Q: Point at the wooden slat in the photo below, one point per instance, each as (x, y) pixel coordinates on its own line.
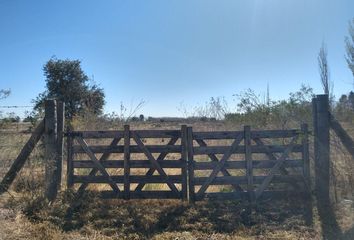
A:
(158, 133)
(216, 161)
(97, 134)
(120, 134)
(133, 149)
(308, 215)
(144, 195)
(153, 161)
(160, 160)
(60, 139)
(275, 169)
(249, 163)
(126, 162)
(257, 164)
(265, 195)
(21, 158)
(132, 179)
(271, 156)
(244, 179)
(95, 170)
(97, 164)
(191, 188)
(221, 163)
(254, 134)
(70, 163)
(241, 149)
(184, 155)
(133, 164)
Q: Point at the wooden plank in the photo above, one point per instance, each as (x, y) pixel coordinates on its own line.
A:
(275, 169)
(144, 195)
(254, 134)
(153, 161)
(97, 164)
(95, 170)
(275, 133)
(216, 135)
(60, 140)
(184, 155)
(271, 156)
(342, 134)
(244, 180)
(97, 134)
(133, 164)
(132, 178)
(191, 187)
(249, 164)
(50, 142)
(22, 157)
(257, 164)
(126, 161)
(133, 149)
(70, 163)
(160, 160)
(224, 158)
(216, 161)
(306, 155)
(120, 134)
(265, 195)
(241, 149)
(159, 133)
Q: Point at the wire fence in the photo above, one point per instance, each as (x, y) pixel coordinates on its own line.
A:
(13, 137)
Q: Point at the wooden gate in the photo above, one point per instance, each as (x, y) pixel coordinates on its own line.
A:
(248, 164)
(131, 162)
(221, 164)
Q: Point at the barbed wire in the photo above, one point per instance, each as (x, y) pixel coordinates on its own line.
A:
(16, 106)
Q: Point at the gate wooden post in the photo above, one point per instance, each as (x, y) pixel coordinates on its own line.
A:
(322, 146)
(184, 155)
(50, 138)
(191, 187)
(321, 115)
(53, 137)
(60, 140)
(306, 173)
(126, 162)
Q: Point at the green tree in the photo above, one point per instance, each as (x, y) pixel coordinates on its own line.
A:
(66, 81)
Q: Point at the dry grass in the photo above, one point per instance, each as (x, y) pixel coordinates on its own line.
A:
(24, 214)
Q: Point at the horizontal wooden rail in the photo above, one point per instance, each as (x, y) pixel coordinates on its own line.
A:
(133, 149)
(243, 179)
(241, 149)
(133, 164)
(132, 179)
(120, 134)
(254, 134)
(257, 164)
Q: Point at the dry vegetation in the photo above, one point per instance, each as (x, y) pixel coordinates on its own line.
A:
(25, 214)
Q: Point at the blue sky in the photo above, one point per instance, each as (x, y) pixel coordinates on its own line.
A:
(168, 52)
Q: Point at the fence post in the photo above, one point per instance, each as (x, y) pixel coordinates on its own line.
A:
(249, 167)
(190, 165)
(50, 138)
(322, 159)
(126, 162)
(184, 160)
(306, 173)
(60, 140)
